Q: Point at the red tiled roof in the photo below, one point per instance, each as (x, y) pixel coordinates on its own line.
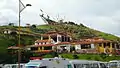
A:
(85, 42)
(43, 41)
(33, 58)
(13, 47)
(89, 42)
(49, 34)
(101, 41)
(43, 51)
(63, 43)
(42, 45)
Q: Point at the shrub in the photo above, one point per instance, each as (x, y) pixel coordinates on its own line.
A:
(75, 57)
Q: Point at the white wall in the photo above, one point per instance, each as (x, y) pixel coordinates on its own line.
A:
(77, 46)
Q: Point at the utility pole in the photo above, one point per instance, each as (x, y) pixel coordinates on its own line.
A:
(21, 8)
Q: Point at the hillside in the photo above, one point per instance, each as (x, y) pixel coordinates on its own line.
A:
(30, 34)
(79, 31)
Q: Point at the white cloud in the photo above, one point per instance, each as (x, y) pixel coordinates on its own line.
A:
(99, 14)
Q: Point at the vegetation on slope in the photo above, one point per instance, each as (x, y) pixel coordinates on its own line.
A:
(101, 57)
(11, 39)
(76, 32)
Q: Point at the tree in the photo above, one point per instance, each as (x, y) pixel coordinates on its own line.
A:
(82, 25)
(72, 23)
(11, 24)
(33, 26)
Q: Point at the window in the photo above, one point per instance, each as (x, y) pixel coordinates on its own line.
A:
(7, 66)
(68, 39)
(69, 66)
(59, 38)
(113, 65)
(100, 44)
(117, 47)
(81, 66)
(31, 67)
(48, 48)
(102, 65)
(83, 46)
(21, 66)
(43, 67)
(14, 66)
(34, 48)
(94, 65)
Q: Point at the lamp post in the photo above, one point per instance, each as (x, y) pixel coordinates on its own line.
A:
(19, 45)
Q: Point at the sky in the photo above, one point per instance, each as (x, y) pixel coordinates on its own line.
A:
(102, 15)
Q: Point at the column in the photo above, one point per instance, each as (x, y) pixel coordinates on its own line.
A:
(39, 49)
(102, 48)
(97, 47)
(49, 37)
(41, 37)
(42, 48)
(111, 47)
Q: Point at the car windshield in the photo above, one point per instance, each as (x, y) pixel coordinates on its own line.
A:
(31, 67)
(102, 65)
(94, 65)
(113, 64)
(36, 67)
(81, 66)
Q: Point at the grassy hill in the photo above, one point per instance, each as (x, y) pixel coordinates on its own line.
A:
(79, 31)
(30, 34)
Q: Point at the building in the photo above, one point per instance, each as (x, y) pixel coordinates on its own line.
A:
(51, 41)
(62, 42)
(94, 45)
(42, 46)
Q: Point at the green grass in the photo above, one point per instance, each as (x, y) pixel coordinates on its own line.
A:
(108, 36)
(78, 31)
(91, 57)
(44, 27)
(86, 57)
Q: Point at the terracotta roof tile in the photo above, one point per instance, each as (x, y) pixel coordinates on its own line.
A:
(43, 41)
(42, 45)
(43, 51)
(90, 41)
(63, 43)
(13, 47)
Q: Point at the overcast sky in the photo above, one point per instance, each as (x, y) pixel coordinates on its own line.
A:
(103, 15)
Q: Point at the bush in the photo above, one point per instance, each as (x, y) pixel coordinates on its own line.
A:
(54, 54)
(48, 56)
(88, 58)
(75, 57)
(103, 55)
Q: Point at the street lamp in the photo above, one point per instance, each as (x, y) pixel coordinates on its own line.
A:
(21, 8)
(28, 5)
